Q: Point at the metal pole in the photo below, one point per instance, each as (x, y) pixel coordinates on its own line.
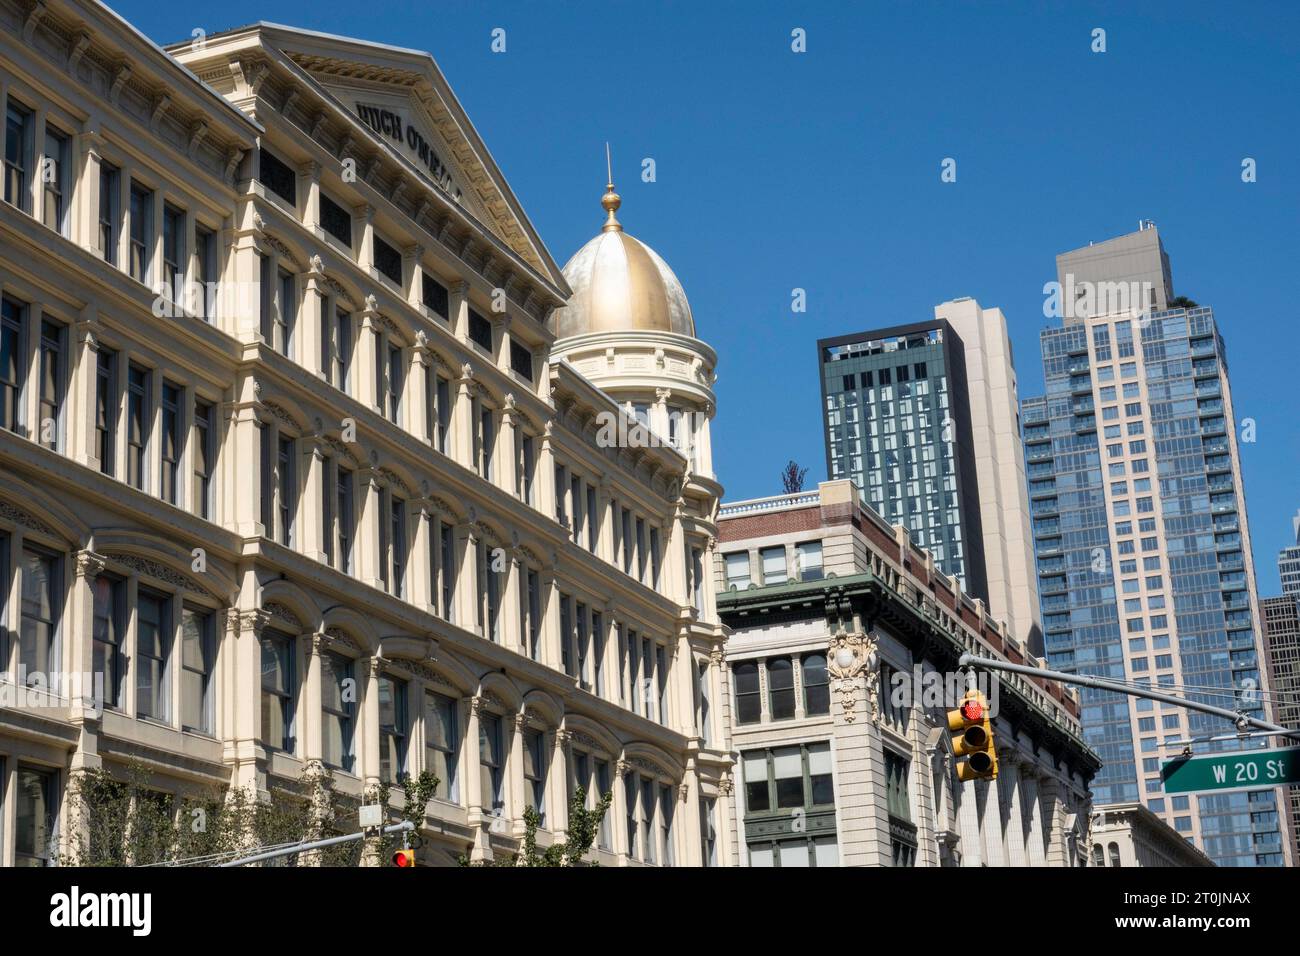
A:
(1240, 719)
(405, 825)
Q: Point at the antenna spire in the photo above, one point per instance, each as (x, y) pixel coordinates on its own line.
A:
(611, 200)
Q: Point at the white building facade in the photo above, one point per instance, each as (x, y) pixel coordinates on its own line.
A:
(289, 460)
(841, 665)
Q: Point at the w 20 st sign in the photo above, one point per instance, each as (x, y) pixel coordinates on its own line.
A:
(1232, 771)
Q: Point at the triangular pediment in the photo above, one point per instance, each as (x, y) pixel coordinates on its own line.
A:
(403, 99)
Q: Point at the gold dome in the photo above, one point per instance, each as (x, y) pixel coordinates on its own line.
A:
(620, 284)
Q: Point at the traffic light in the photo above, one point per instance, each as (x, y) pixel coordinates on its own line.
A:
(972, 738)
(404, 858)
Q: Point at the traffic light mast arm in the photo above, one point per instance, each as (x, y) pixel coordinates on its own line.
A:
(1101, 683)
(317, 844)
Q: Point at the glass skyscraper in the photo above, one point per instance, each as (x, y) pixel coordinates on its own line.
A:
(893, 427)
(1143, 557)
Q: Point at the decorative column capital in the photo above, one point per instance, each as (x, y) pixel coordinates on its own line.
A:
(90, 565)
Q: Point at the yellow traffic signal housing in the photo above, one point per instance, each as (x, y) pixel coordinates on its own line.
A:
(404, 858)
(972, 738)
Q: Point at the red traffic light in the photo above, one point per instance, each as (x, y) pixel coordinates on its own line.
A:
(404, 858)
(972, 708)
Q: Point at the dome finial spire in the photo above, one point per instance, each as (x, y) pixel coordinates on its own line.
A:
(611, 200)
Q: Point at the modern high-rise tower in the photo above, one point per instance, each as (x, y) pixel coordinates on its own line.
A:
(924, 419)
(1288, 563)
(1143, 550)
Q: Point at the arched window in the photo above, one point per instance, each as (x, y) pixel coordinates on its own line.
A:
(1098, 855)
(1113, 851)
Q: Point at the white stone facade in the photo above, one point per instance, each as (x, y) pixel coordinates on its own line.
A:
(812, 659)
(341, 466)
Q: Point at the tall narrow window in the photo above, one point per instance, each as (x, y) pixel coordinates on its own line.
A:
(393, 731)
(109, 214)
(666, 806)
(435, 296)
(598, 653)
(171, 441)
(575, 496)
(480, 331)
(279, 682)
(593, 521)
(198, 660)
(106, 410)
(138, 417)
(748, 698)
(397, 539)
(535, 772)
(561, 493)
(487, 441)
(527, 464)
(703, 719)
(286, 317)
(335, 220)
(53, 337)
(584, 647)
(344, 521)
(394, 383)
(338, 709)
(816, 685)
(444, 413)
(442, 744)
(205, 273)
(276, 175)
(153, 632)
(286, 491)
(628, 540)
(533, 614)
(654, 558)
(491, 765)
(780, 682)
(55, 179)
(12, 365)
(35, 815)
(173, 252)
(18, 152)
(204, 436)
(141, 232)
(265, 300)
(42, 599)
(447, 534)
(342, 350)
(661, 675)
(108, 629)
(566, 634)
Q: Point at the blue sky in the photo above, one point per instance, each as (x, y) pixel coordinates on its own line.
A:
(820, 171)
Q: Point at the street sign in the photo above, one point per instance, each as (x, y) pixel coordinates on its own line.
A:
(1232, 771)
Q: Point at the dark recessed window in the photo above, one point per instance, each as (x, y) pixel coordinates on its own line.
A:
(435, 296)
(866, 380)
(521, 360)
(388, 261)
(919, 369)
(276, 176)
(336, 220)
(848, 383)
(480, 331)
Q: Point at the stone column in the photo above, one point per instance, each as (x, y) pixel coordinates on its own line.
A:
(309, 190)
(313, 339)
(243, 469)
(83, 375)
(467, 603)
(619, 808)
(366, 732)
(551, 638)
(462, 419)
(311, 494)
(853, 665)
(557, 785)
(365, 549)
(1035, 850)
(1055, 851)
(370, 385)
(478, 820)
(310, 743)
(512, 635)
(504, 455)
(688, 820)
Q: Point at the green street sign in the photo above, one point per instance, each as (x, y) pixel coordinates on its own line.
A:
(1232, 771)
